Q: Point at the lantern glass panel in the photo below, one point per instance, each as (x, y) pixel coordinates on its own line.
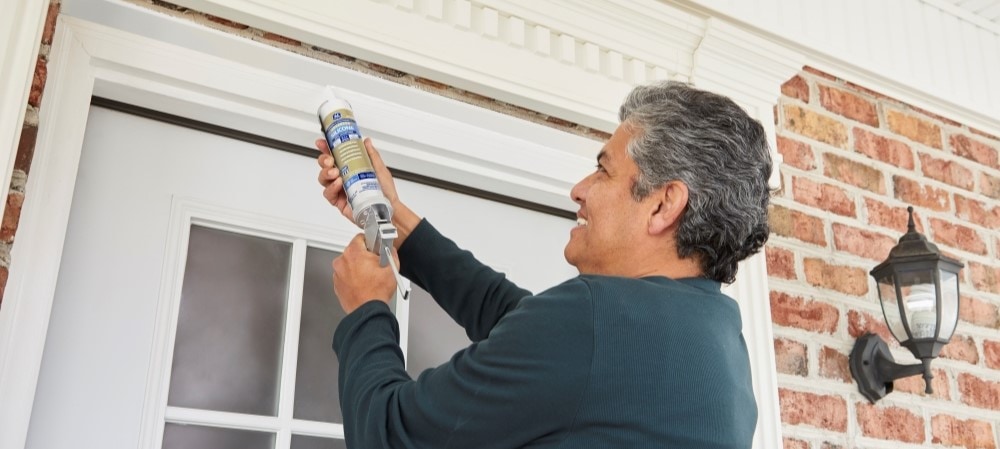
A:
(919, 302)
(890, 307)
(949, 304)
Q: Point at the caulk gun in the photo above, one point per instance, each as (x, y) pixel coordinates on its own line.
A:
(372, 210)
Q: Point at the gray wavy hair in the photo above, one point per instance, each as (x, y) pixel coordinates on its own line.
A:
(711, 145)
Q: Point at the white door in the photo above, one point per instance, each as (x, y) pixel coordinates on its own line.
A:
(194, 306)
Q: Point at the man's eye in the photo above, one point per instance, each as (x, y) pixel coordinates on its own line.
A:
(600, 168)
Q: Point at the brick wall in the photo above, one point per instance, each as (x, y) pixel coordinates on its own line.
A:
(854, 159)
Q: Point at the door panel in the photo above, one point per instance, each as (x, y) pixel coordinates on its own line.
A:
(95, 371)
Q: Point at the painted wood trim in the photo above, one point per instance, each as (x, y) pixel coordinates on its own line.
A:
(24, 317)
(20, 36)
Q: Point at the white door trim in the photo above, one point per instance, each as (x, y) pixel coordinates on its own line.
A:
(274, 96)
(20, 36)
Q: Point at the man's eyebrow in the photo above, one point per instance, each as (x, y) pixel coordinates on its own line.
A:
(602, 156)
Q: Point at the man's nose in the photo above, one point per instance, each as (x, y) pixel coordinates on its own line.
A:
(579, 191)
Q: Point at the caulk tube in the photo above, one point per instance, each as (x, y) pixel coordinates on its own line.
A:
(372, 210)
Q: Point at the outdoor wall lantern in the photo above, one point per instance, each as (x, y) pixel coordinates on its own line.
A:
(918, 290)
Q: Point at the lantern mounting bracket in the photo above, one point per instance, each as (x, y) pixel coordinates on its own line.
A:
(874, 368)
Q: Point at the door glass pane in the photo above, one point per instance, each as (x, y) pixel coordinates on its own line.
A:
(434, 336)
(316, 394)
(304, 442)
(178, 436)
(228, 348)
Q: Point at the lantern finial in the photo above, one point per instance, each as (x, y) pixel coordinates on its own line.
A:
(911, 226)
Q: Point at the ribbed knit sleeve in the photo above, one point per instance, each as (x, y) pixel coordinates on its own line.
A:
(524, 384)
(473, 294)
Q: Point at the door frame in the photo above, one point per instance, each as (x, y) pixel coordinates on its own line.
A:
(276, 99)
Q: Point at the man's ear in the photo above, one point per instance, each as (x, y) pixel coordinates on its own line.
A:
(671, 200)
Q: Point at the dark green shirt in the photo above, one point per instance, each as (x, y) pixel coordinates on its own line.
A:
(595, 362)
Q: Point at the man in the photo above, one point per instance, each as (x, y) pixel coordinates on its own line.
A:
(641, 350)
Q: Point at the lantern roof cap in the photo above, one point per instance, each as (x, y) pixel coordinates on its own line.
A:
(913, 246)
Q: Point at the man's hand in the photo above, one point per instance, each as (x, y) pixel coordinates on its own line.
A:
(333, 189)
(358, 278)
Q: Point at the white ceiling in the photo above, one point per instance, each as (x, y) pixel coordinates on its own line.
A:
(988, 10)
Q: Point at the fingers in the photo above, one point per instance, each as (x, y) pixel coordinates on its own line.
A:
(322, 146)
(381, 171)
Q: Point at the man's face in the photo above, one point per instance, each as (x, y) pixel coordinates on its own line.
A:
(610, 222)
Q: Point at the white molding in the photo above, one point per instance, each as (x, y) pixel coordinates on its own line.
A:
(21, 27)
(24, 316)
(755, 307)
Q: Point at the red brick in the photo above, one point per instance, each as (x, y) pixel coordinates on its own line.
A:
(854, 173)
(50, 23)
(822, 411)
(815, 126)
(979, 392)
(11, 215)
(974, 150)
(884, 149)
(796, 88)
(984, 278)
(971, 434)
(849, 105)
(957, 236)
(38, 82)
(989, 186)
(869, 92)
(917, 194)
(829, 445)
(780, 262)
(4, 273)
(991, 354)
(833, 365)
(789, 443)
(797, 154)
(867, 244)
(790, 357)
(892, 217)
(792, 223)
(890, 423)
(282, 39)
(820, 73)
(823, 196)
(984, 134)
(937, 117)
(949, 172)
(226, 22)
(26, 148)
(794, 311)
(977, 212)
(916, 385)
(961, 348)
(844, 279)
(860, 323)
(979, 313)
(914, 128)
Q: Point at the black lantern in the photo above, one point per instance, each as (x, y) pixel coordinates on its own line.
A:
(918, 290)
